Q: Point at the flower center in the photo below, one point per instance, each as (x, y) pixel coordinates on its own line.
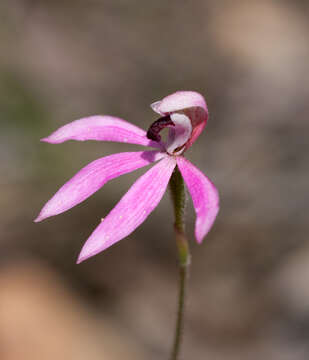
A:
(180, 130)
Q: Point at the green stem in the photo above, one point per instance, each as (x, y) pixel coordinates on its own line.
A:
(179, 201)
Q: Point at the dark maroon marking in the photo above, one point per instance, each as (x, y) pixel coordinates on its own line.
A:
(157, 126)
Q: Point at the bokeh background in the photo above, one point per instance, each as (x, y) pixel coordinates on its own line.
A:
(249, 292)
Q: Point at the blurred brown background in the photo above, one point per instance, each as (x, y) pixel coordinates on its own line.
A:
(249, 293)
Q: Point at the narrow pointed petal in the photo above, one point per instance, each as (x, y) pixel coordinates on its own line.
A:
(102, 128)
(134, 207)
(92, 177)
(191, 104)
(204, 196)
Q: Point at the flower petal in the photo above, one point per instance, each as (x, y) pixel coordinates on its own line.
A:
(179, 100)
(191, 103)
(134, 207)
(204, 196)
(103, 128)
(92, 177)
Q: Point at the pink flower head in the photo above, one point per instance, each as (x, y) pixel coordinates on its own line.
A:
(185, 114)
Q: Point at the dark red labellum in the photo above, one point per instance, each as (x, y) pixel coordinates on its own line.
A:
(157, 126)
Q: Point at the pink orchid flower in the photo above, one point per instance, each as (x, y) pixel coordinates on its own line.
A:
(185, 114)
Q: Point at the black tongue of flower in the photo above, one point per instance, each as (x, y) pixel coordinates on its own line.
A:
(157, 126)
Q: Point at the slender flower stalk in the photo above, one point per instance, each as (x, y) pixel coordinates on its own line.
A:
(185, 115)
(179, 201)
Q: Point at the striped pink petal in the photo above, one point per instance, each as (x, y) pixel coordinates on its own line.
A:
(92, 177)
(204, 196)
(102, 128)
(191, 104)
(134, 207)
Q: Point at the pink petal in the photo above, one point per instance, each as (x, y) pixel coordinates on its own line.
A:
(179, 100)
(134, 207)
(92, 177)
(103, 128)
(204, 196)
(191, 103)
